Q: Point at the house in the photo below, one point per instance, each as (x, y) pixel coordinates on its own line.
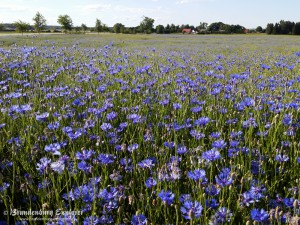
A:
(187, 31)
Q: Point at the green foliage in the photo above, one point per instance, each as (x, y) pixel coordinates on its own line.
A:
(119, 28)
(84, 27)
(259, 29)
(39, 22)
(98, 26)
(270, 27)
(296, 29)
(160, 29)
(146, 25)
(21, 26)
(1, 27)
(65, 21)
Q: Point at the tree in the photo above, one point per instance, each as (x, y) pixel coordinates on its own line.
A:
(146, 25)
(160, 29)
(1, 27)
(21, 26)
(65, 21)
(98, 26)
(269, 29)
(84, 27)
(202, 26)
(119, 28)
(259, 29)
(296, 29)
(39, 22)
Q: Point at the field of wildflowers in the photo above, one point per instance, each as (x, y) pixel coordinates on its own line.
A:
(150, 130)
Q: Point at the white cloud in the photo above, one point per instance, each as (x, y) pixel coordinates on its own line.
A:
(96, 7)
(191, 1)
(13, 8)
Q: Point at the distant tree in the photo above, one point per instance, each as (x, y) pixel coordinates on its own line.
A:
(65, 21)
(276, 29)
(39, 22)
(146, 25)
(84, 27)
(173, 28)
(286, 27)
(216, 27)
(160, 29)
(77, 29)
(1, 27)
(202, 26)
(98, 26)
(296, 29)
(119, 28)
(167, 29)
(21, 26)
(259, 29)
(270, 27)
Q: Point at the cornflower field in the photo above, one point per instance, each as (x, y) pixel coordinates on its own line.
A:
(137, 129)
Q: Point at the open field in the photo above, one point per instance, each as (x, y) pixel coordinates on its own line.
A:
(149, 129)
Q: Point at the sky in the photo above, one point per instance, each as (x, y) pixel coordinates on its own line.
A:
(248, 13)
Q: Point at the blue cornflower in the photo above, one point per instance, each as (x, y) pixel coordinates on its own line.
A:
(53, 126)
(213, 203)
(139, 220)
(212, 190)
(211, 155)
(181, 149)
(177, 106)
(169, 145)
(84, 154)
(146, 163)
(196, 109)
(106, 159)
(111, 116)
(196, 175)
(298, 160)
(150, 182)
(54, 148)
(202, 121)
(166, 196)
(219, 144)
(248, 199)
(248, 102)
(43, 164)
(289, 202)
(91, 220)
(106, 126)
(215, 135)
(197, 134)
(42, 117)
(224, 178)
(259, 215)
(281, 158)
(287, 120)
(132, 147)
(185, 197)
(58, 166)
(222, 216)
(191, 210)
(84, 166)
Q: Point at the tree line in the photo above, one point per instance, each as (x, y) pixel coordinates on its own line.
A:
(147, 26)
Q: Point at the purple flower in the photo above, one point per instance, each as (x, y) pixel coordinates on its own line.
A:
(202, 121)
(139, 220)
(85, 154)
(191, 210)
(259, 215)
(181, 149)
(213, 203)
(58, 166)
(287, 120)
(150, 182)
(222, 216)
(54, 148)
(177, 106)
(196, 175)
(219, 144)
(196, 134)
(106, 159)
(211, 155)
(281, 158)
(146, 163)
(106, 126)
(43, 164)
(224, 178)
(166, 196)
(212, 190)
(132, 147)
(42, 117)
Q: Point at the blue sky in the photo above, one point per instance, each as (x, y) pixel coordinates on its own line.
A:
(248, 13)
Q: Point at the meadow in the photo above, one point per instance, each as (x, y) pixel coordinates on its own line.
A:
(149, 129)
